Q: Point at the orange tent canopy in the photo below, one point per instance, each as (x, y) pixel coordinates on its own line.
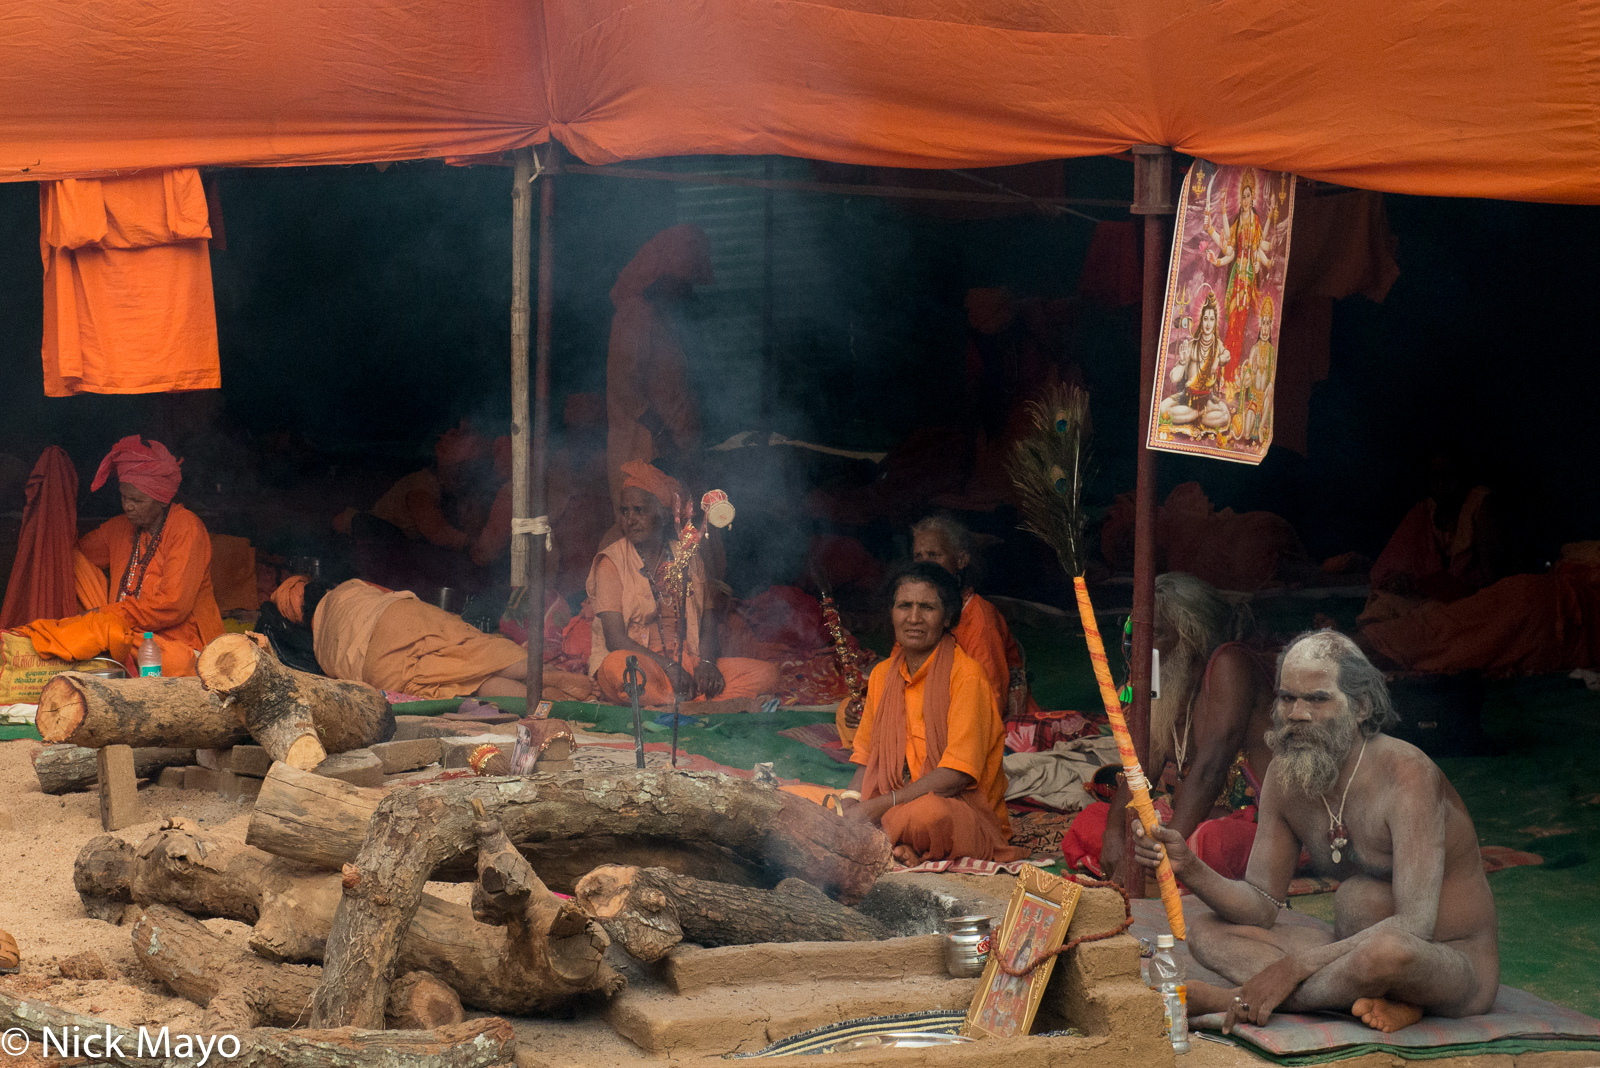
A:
(1451, 97)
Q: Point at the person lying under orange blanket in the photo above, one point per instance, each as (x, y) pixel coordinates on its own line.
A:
(391, 640)
(148, 569)
(929, 709)
(637, 617)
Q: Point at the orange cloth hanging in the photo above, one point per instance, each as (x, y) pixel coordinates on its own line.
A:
(127, 285)
(41, 576)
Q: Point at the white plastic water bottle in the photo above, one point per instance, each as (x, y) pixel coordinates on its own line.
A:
(149, 656)
(1166, 975)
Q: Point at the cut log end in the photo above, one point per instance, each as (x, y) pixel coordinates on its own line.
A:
(61, 710)
(305, 753)
(419, 1001)
(227, 663)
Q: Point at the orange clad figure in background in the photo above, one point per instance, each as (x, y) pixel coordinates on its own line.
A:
(148, 569)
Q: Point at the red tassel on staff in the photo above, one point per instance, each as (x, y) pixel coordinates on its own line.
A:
(1138, 786)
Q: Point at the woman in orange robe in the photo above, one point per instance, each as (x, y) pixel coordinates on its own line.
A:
(982, 632)
(148, 569)
(929, 711)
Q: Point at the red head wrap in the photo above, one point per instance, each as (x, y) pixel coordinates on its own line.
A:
(663, 487)
(150, 468)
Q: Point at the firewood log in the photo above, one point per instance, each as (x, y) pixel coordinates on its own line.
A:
(63, 769)
(481, 1043)
(297, 717)
(491, 968)
(90, 711)
(416, 830)
(649, 910)
(420, 1002)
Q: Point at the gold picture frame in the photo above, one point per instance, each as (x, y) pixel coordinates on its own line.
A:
(1035, 925)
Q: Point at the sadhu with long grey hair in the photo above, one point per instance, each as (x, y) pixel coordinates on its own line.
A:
(1415, 929)
(1208, 726)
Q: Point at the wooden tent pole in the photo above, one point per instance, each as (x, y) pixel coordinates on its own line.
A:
(538, 558)
(1152, 199)
(521, 250)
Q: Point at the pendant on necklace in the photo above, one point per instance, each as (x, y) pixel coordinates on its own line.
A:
(1338, 838)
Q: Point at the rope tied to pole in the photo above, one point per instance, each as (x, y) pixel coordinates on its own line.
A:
(535, 526)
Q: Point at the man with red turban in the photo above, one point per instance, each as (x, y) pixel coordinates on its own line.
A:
(148, 569)
(637, 616)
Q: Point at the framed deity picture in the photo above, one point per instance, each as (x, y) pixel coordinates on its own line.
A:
(1035, 925)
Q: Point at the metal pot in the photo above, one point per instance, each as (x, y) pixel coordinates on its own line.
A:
(966, 945)
(106, 668)
(449, 598)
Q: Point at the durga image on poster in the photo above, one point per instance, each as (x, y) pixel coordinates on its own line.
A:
(1219, 353)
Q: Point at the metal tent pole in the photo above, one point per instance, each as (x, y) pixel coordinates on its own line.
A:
(1152, 199)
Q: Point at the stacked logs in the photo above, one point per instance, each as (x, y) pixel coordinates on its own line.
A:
(243, 693)
(335, 873)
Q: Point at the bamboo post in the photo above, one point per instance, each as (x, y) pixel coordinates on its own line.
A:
(540, 459)
(1152, 199)
(521, 248)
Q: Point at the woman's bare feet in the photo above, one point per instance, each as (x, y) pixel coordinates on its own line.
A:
(1205, 998)
(905, 855)
(1384, 1015)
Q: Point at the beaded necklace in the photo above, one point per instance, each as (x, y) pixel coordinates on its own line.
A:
(139, 560)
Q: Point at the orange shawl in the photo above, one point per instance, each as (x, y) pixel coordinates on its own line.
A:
(886, 765)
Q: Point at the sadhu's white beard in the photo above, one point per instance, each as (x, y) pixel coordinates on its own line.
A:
(1308, 756)
(1169, 713)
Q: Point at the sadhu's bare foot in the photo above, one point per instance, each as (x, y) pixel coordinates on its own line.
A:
(1384, 1015)
(905, 855)
(1205, 999)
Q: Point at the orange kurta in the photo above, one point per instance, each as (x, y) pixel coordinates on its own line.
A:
(976, 738)
(176, 602)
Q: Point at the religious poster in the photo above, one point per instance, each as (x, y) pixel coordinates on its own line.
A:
(1219, 330)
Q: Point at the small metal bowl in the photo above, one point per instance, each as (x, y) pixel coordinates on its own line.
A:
(105, 668)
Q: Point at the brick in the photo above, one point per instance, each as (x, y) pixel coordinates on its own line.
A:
(407, 755)
(250, 760)
(408, 727)
(455, 751)
(119, 788)
(359, 767)
(170, 778)
(198, 778)
(238, 787)
(215, 759)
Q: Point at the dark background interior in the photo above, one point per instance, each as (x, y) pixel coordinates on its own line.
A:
(360, 313)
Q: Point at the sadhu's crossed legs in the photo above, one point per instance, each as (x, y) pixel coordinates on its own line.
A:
(1388, 980)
